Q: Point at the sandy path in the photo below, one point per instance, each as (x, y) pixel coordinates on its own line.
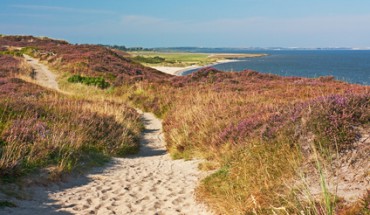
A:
(43, 75)
(146, 183)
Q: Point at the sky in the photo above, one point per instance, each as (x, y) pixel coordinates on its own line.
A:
(200, 23)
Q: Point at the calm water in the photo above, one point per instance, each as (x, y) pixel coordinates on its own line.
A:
(345, 65)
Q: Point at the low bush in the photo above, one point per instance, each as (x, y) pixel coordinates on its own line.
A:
(150, 60)
(334, 119)
(94, 81)
(18, 52)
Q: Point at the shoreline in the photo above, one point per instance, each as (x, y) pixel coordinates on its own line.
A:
(178, 71)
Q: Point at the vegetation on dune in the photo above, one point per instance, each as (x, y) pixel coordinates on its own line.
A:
(95, 81)
(17, 52)
(149, 60)
(43, 130)
(265, 132)
(256, 127)
(258, 172)
(88, 60)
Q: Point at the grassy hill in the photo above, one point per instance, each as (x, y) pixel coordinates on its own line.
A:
(42, 130)
(278, 145)
(91, 60)
(267, 135)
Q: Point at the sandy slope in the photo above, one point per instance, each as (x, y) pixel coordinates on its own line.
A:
(147, 183)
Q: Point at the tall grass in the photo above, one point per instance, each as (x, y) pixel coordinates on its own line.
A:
(64, 133)
(254, 126)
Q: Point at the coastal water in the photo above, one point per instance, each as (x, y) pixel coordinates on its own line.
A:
(346, 65)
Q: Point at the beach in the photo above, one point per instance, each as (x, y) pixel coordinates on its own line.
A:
(217, 58)
(178, 71)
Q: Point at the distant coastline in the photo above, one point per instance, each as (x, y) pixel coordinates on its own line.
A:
(351, 66)
(225, 58)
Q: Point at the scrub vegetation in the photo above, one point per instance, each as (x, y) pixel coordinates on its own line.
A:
(42, 130)
(95, 81)
(264, 135)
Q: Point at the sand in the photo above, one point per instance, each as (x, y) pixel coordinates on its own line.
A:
(173, 70)
(43, 75)
(178, 71)
(147, 183)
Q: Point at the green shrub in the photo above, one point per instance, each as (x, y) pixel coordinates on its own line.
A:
(19, 53)
(95, 81)
(151, 60)
(15, 53)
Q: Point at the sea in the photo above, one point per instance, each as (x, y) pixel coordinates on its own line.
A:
(352, 66)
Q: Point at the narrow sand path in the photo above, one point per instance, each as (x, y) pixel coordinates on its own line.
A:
(43, 75)
(147, 183)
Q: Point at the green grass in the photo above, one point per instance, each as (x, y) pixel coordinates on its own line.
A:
(94, 81)
(18, 53)
(149, 60)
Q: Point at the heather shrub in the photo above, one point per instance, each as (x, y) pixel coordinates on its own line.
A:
(62, 134)
(89, 60)
(256, 174)
(9, 66)
(334, 120)
(252, 125)
(42, 130)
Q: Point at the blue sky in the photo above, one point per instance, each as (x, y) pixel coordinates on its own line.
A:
(204, 23)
